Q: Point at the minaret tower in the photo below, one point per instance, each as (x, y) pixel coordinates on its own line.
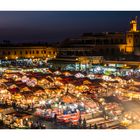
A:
(133, 38)
(133, 25)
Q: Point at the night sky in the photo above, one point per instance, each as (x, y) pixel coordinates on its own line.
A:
(55, 26)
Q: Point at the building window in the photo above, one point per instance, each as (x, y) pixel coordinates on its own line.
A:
(83, 41)
(26, 52)
(107, 50)
(3, 53)
(33, 52)
(136, 36)
(112, 51)
(116, 41)
(121, 40)
(30, 52)
(123, 50)
(93, 41)
(9, 53)
(44, 52)
(15, 52)
(129, 35)
(37, 52)
(97, 41)
(88, 41)
(101, 51)
(21, 52)
(80, 53)
(112, 41)
(68, 53)
(106, 41)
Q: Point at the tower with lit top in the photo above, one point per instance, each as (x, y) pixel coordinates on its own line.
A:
(133, 38)
(133, 25)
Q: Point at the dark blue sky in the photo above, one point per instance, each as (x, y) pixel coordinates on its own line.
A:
(56, 26)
